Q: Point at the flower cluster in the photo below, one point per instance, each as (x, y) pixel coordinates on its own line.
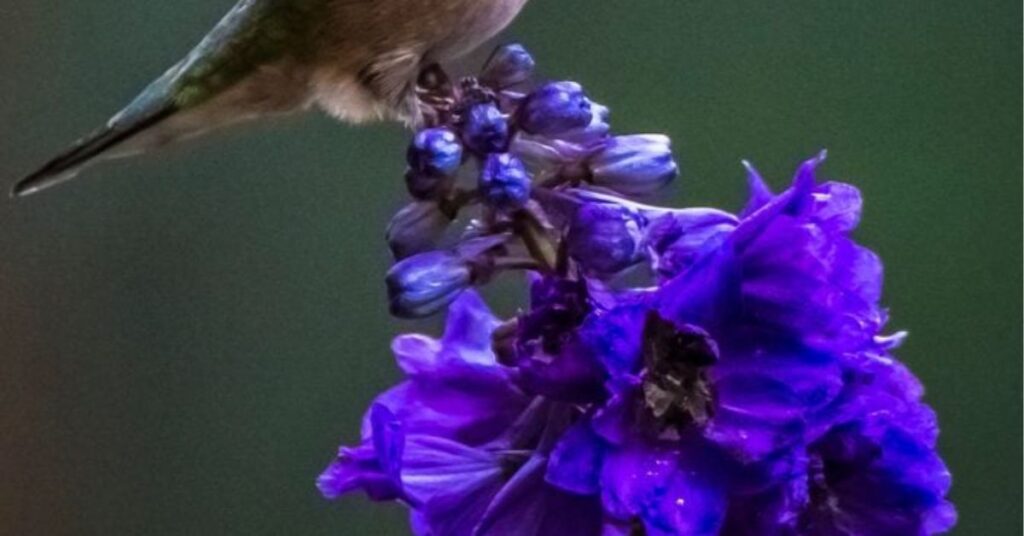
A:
(676, 371)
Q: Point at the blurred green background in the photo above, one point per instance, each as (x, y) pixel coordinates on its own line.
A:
(185, 338)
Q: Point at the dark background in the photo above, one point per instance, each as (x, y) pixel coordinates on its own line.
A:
(185, 338)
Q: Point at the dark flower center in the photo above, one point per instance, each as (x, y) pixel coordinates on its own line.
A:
(676, 388)
(558, 307)
(836, 463)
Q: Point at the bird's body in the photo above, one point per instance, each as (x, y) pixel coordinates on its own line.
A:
(356, 59)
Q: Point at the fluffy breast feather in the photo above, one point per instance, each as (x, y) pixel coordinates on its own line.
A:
(373, 50)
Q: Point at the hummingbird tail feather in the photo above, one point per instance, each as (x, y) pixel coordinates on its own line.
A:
(66, 165)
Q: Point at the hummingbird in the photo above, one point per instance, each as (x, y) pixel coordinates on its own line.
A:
(358, 60)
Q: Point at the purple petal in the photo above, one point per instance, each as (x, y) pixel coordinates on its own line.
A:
(760, 193)
(575, 464)
(356, 469)
(388, 440)
(528, 505)
(614, 338)
(837, 206)
(673, 489)
(467, 412)
(571, 376)
(435, 467)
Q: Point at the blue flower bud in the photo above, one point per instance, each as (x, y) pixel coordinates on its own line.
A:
(634, 165)
(485, 129)
(510, 65)
(596, 131)
(555, 108)
(537, 155)
(417, 228)
(676, 240)
(504, 182)
(426, 283)
(435, 151)
(547, 156)
(604, 239)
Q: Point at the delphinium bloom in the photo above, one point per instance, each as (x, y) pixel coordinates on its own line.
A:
(675, 371)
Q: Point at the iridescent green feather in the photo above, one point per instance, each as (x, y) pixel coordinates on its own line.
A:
(253, 33)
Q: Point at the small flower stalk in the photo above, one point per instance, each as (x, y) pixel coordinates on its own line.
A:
(674, 372)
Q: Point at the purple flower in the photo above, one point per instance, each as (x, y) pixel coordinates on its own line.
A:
(680, 380)
(455, 388)
(877, 476)
(676, 371)
(370, 466)
(876, 470)
(783, 297)
(760, 380)
(550, 356)
(456, 399)
(459, 443)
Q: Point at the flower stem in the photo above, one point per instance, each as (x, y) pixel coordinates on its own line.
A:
(536, 239)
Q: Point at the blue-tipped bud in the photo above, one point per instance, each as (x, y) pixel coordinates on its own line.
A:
(504, 182)
(485, 129)
(435, 151)
(417, 228)
(555, 108)
(424, 284)
(510, 65)
(604, 238)
(596, 131)
(634, 165)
